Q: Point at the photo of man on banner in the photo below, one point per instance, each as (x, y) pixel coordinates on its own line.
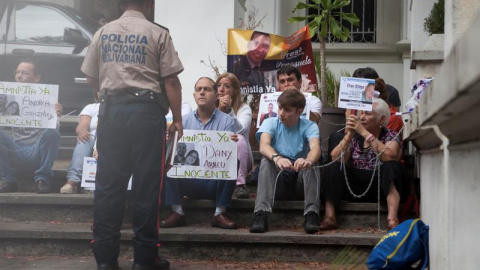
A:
(254, 57)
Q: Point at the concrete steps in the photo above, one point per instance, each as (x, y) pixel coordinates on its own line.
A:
(192, 242)
(57, 224)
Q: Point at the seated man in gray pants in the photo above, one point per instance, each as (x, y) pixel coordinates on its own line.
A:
(289, 145)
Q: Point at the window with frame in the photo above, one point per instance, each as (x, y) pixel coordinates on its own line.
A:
(365, 32)
(40, 25)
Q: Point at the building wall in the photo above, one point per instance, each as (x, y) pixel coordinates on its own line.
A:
(198, 28)
(447, 139)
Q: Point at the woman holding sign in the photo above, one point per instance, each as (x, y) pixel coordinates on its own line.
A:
(365, 140)
(86, 136)
(230, 102)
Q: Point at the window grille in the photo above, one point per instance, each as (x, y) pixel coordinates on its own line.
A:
(365, 32)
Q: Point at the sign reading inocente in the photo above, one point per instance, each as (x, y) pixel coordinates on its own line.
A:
(204, 154)
(28, 105)
(356, 93)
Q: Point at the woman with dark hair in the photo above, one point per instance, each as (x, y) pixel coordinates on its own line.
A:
(395, 122)
(192, 158)
(13, 108)
(230, 102)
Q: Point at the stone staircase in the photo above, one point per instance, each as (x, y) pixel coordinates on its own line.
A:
(57, 224)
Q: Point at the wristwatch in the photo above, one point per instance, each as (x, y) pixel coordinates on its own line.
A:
(274, 156)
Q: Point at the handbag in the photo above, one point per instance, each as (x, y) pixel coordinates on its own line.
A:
(401, 247)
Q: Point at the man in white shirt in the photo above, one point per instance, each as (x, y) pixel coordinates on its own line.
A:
(291, 76)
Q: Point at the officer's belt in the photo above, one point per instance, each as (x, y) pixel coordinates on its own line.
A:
(133, 96)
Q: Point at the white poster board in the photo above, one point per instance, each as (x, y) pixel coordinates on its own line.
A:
(89, 172)
(268, 107)
(356, 93)
(28, 105)
(204, 154)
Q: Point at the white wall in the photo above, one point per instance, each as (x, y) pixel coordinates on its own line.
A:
(196, 28)
(420, 10)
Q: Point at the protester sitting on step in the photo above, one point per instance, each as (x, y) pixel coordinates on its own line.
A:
(290, 146)
(290, 76)
(205, 117)
(230, 102)
(86, 135)
(29, 148)
(365, 138)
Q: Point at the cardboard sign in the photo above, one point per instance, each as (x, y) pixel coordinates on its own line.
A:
(28, 105)
(356, 93)
(268, 107)
(204, 154)
(254, 57)
(89, 172)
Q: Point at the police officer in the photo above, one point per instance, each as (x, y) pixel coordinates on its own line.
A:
(126, 61)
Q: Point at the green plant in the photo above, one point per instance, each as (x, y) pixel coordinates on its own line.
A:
(435, 22)
(326, 21)
(332, 83)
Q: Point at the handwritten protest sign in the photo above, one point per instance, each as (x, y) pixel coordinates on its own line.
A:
(28, 105)
(254, 57)
(89, 172)
(356, 93)
(268, 107)
(202, 154)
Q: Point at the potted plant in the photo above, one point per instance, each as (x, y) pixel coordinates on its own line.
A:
(435, 22)
(326, 22)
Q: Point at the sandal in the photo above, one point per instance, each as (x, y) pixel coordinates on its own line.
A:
(328, 224)
(392, 223)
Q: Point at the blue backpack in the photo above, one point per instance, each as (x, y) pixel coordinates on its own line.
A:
(403, 246)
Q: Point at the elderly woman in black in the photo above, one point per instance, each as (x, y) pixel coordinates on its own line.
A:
(365, 137)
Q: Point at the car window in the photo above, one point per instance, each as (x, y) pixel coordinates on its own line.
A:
(40, 24)
(3, 25)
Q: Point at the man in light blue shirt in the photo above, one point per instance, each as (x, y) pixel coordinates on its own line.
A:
(289, 145)
(205, 117)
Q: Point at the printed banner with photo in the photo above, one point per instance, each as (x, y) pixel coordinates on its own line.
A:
(268, 107)
(28, 105)
(254, 57)
(204, 154)
(356, 93)
(89, 172)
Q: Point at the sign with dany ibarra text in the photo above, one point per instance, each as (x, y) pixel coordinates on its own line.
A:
(28, 105)
(204, 154)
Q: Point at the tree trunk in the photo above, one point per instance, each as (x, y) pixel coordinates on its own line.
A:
(323, 78)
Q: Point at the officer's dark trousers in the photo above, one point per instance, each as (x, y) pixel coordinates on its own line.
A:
(130, 141)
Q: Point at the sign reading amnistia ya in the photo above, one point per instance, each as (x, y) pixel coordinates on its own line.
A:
(28, 105)
(202, 154)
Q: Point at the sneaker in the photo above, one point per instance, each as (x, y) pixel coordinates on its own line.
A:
(68, 189)
(260, 222)
(311, 222)
(241, 192)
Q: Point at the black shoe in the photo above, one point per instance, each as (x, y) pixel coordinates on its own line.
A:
(311, 222)
(43, 186)
(107, 266)
(8, 186)
(159, 265)
(260, 222)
